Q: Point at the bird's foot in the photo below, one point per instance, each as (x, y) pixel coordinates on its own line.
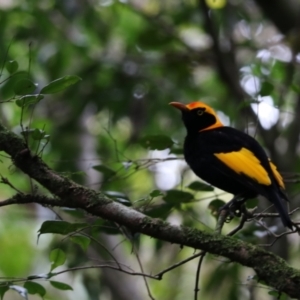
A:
(234, 208)
(296, 227)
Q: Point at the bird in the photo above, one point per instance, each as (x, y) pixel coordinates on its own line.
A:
(230, 159)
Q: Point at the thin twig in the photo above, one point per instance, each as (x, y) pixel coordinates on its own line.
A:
(198, 274)
(4, 59)
(102, 267)
(81, 232)
(273, 215)
(4, 180)
(142, 269)
(240, 226)
(159, 275)
(117, 151)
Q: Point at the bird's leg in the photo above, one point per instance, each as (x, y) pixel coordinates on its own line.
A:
(234, 206)
(297, 227)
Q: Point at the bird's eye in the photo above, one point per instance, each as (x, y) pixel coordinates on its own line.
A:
(200, 112)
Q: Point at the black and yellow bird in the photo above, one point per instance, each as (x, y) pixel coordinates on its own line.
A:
(230, 159)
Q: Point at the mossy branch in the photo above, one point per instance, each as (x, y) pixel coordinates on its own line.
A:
(270, 268)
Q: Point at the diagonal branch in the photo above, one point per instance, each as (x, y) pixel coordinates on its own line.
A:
(273, 270)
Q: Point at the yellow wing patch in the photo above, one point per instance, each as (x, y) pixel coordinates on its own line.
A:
(277, 175)
(245, 162)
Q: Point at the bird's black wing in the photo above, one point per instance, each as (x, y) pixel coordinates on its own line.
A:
(230, 160)
(234, 162)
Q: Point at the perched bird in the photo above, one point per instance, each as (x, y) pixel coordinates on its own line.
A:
(230, 159)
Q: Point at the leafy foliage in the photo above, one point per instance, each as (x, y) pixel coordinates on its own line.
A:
(108, 125)
(57, 258)
(34, 288)
(60, 227)
(60, 84)
(61, 285)
(199, 186)
(156, 142)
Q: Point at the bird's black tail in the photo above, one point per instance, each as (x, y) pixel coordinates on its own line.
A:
(280, 206)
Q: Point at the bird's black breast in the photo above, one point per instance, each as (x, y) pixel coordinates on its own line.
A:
(200, 149)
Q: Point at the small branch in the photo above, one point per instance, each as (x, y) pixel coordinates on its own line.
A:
(7, 182)
(80, 231)
(159, 275)
(50, 275)
(240, 226)
(25, 199)
(270, 268)
(198, 275)
(101, 267)
(142, 269)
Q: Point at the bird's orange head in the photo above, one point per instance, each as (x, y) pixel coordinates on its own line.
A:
(198, 116)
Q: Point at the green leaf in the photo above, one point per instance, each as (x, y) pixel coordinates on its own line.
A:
(266, 88)
(159, 211)
(295, 88)
(176, 150)
(61, 285)
(11, 66)
(104, 227)
(107, 172)
(24, 86)
(278, 295)
(28, 100)
(156, 142)
(60, 227)
(27, 132)
(283, 296)
(46, 137)
(57, 258)
(252, 203)
(60, 84)
(115, 194)
(3, 290)
(123, 201)
(256, 69)
(215, 206)
(200, 186)
(155, 193)
(76, 213)
(34, 288)
(278, 71)
(119, 197)
(82, 241)
(38, 134)
(7, 88)
(177, 197)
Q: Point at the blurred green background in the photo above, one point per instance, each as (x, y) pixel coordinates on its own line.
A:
(134, 57)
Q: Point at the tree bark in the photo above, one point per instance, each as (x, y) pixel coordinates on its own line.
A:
(270, 268)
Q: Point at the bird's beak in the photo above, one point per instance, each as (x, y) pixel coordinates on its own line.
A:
(179, 106)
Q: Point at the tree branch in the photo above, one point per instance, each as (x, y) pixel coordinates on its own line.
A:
(273, 270)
